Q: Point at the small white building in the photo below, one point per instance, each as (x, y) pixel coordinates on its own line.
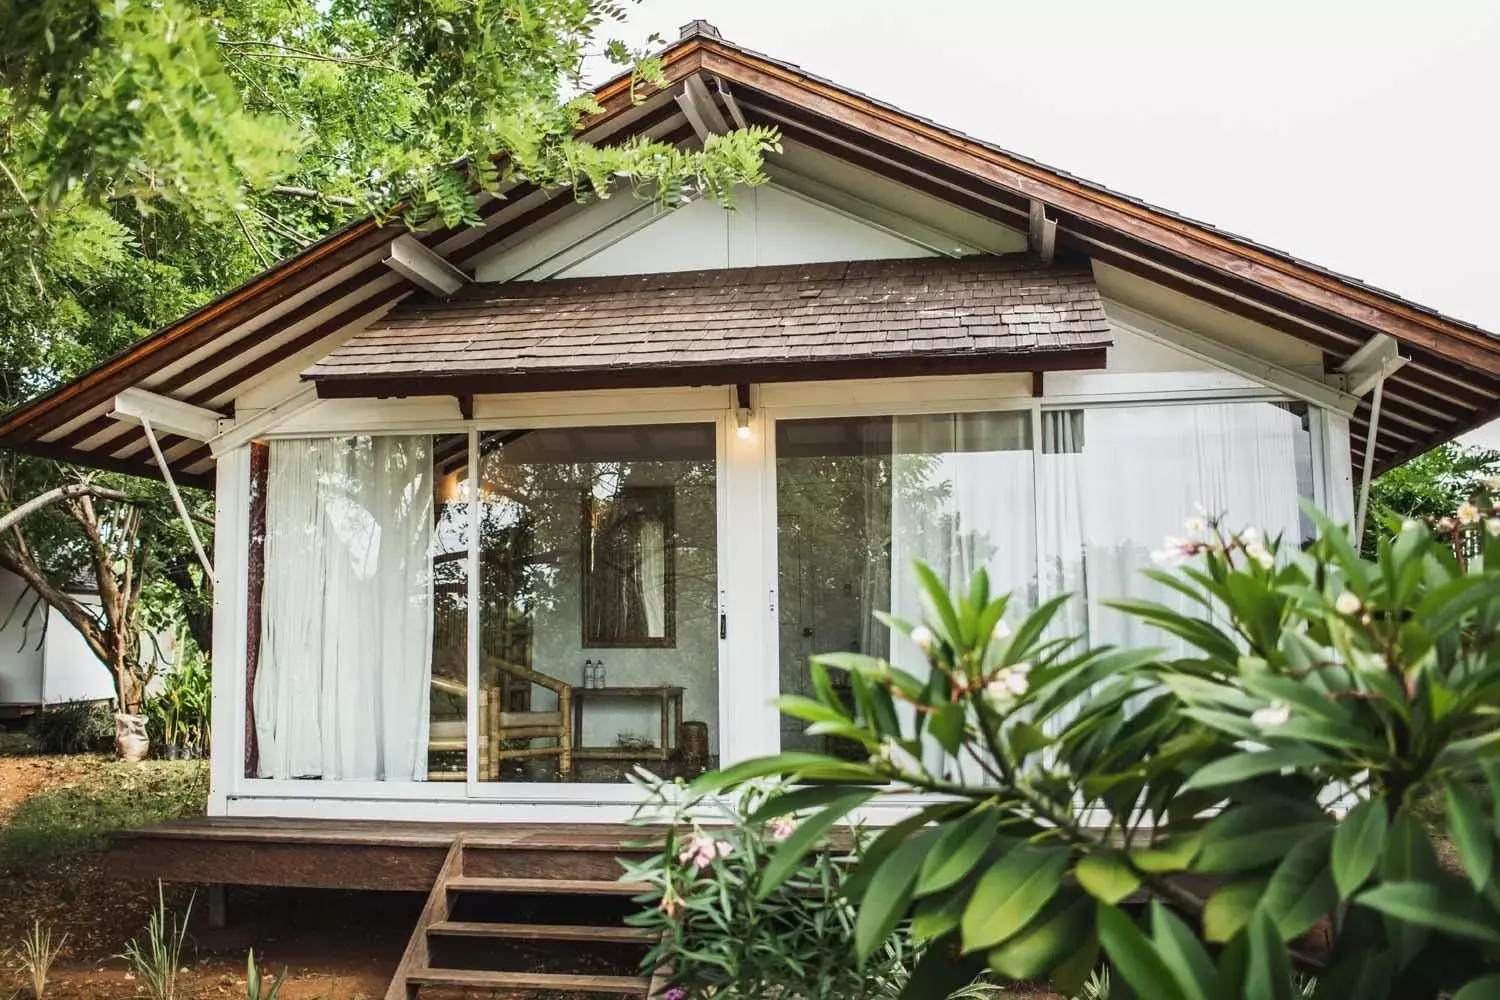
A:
(43, 659)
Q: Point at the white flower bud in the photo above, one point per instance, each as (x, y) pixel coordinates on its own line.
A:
(1347, 603)
(1273, 715)
(1468, 513)
(923, 637)
(1001, 631)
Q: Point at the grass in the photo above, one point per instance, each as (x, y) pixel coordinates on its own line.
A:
(78, 818)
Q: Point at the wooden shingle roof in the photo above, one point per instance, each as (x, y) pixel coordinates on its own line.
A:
(792, 322)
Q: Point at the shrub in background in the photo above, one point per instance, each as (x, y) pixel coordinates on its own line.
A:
(1317, 684)
(75, 727)
(179, 717)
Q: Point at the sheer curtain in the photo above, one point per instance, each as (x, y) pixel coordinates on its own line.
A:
(342, 690)
(1116, 481)
(651, 567)
(962, 499)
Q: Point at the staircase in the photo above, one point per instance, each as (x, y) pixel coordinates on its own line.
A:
(487, 927)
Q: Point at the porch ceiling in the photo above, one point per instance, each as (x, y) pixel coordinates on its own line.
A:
(786, 323)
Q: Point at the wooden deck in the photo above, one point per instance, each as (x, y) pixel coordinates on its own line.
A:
(343, 854)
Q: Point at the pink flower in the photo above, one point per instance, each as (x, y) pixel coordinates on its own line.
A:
(675, 993)
(781, 828)
(702, 851)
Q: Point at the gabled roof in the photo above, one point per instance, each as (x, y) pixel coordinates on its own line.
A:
(748, 324)
(1451, 383)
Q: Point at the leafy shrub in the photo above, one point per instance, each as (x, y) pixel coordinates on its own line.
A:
(36, 954)
(1316, 684)
(75, 727)
(179, 718)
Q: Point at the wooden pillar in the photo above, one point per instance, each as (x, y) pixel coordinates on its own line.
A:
(218, 907)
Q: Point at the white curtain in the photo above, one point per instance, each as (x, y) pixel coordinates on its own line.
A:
(962, 498)
(1116, 481)
(342, 689)
(651, 566)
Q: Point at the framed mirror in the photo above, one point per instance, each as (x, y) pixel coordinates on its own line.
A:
(629, 574)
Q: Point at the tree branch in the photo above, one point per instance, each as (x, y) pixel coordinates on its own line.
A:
(52, 496)
(292, 191)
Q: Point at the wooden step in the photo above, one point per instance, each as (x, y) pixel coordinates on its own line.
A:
(469, 979)
(542, 932)
(548, 886)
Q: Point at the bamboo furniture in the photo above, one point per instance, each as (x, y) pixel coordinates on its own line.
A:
(505, 719)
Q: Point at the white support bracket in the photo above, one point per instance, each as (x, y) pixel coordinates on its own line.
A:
(166, 414)
(1376, 358)
(699, 107)
(730, 103)
(1042, 232)
(425, 267)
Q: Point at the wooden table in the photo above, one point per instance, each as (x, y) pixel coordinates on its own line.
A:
(671, 708)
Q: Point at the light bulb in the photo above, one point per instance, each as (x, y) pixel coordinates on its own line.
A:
(742, 417)
(743, 431)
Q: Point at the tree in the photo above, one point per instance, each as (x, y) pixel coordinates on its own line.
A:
(155, 153)
(1429, 487)
(1281, 760)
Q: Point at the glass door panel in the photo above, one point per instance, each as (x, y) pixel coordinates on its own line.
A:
(598, 603)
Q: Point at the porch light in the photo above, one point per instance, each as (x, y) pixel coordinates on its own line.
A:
(742, 415)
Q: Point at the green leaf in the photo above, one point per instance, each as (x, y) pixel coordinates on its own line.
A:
(1427, 905)
(939, 973)
(1172, 855)
(1486, 988)
(1358, 842)
(792, 850)
(960, 847)
(890, 839)
(796, 800)
(1254, 764)
(1269, 974)
(1135, 957)
(787, 764)
(947, 726)
(1229, 908)
(1183, 953)
(1249, 836)
(886, 900)
(1026, 739)
(938, 915)
(1107, 876)
(1010, 893)
(1471, 833)
(1302, 891)
(935, 599)
(1059, 932)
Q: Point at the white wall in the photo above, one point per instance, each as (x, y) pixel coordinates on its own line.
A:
(20, 646)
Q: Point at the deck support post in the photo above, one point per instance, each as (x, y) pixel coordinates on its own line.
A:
(218, 907)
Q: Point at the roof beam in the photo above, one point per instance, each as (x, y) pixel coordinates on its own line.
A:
(411, 259)
(699, 107)
(167, 414)
(1229, 358)
(1376, 358)
(1042, 232)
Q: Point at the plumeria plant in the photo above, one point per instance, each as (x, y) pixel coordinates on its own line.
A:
(1214, 820)
(744, 908)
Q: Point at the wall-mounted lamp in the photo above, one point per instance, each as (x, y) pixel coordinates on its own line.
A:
(742, 414)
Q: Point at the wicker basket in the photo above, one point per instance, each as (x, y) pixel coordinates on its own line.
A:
(694, 741)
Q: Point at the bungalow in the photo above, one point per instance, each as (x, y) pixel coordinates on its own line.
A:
(506, 511)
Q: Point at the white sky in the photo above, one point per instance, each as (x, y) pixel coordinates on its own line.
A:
(1358, 134)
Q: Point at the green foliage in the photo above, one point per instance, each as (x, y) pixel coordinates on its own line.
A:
(180, 716)
(735, 923)
(155, 956)
(1429, 487)
(78, 818)
(1313, 679)
(75, 727)
(255, 987)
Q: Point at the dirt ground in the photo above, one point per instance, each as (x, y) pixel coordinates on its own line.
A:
(307, 934)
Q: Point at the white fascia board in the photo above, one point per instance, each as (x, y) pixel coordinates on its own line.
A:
(427, 268)
(1230, 358)
(1376, 358)
(166, 414)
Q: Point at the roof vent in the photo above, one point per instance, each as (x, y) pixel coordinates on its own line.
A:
(699, 27)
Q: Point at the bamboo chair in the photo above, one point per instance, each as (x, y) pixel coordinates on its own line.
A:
(506, 686)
